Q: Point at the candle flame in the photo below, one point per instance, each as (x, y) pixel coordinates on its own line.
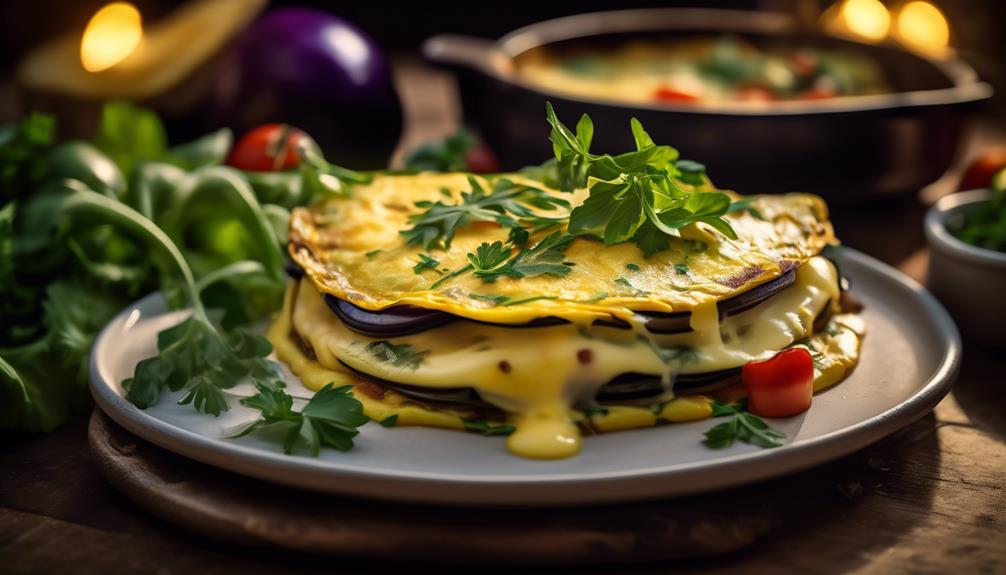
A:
(921, 25)
(111, 36)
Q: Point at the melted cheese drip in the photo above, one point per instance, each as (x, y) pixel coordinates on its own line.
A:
(538, 374)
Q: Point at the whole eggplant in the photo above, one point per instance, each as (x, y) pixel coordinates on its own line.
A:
(310, 69)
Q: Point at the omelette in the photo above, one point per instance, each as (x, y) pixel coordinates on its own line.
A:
(568, 338)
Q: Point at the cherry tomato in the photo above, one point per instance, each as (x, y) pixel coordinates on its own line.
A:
(781, 386)
(979, 174)
(481, 160)
(667, 94)
(269, 148)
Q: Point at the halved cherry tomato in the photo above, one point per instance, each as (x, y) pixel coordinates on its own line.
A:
(481, 160)
(781, 386)
(268, 148)
(980, 172)
(667, 94)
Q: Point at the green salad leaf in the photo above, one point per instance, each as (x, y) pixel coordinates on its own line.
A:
(985, 226)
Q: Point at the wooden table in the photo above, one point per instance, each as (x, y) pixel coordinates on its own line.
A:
(930, 499)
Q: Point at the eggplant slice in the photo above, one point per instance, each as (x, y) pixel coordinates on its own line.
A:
(397, 321)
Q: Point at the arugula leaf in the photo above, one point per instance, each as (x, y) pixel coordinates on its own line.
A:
(400, 355)
(330, 418)
(640, 196)
(741, 426)
(487, 428)
(506, 204)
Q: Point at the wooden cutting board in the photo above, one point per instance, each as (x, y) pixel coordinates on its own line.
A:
(237, 509)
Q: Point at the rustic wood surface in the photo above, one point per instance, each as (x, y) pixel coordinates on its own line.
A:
(929, 499)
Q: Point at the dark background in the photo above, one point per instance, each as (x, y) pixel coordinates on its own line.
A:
(977, 26)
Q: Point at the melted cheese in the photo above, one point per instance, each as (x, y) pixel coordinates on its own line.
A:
(335, 242)
(538, 374)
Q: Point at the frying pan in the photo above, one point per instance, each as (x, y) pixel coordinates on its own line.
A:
(845, 149)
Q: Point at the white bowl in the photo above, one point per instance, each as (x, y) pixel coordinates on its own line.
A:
(970, 281)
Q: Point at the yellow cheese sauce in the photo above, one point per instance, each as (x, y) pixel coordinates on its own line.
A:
(537, 374)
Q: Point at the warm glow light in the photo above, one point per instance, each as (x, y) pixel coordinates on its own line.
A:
(866, 18)
(922, 26)
(111, 36)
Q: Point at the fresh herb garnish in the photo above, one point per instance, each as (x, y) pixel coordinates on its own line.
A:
(985, 226)
(372, 253)
(491, 261)
(681, 268)
(330, 418)
(506, 301)
(741, 426)
(487, 428)
(447, 155)
(592, 411)
(620, 281)
(639, 196)
(679, 354)
(400, 355)
(508, 204)
(426, 263)
(390, 421)
(632, 267)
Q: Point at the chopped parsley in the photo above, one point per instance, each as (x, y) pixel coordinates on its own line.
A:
(372, 253)
(507, 204)
(426, 263)
(401, 355)
(632, 267)
(389, 421)
(491, 261)
(620, 281)
(741, 426)
(487, 428)
(681, 268)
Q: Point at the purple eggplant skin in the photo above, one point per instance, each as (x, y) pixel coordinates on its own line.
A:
(317, 72)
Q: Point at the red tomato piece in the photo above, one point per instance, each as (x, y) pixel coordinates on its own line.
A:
(781, 386)
(754, 94)
(268, 148)
(667, 94)
(980, 172)
(481, 160)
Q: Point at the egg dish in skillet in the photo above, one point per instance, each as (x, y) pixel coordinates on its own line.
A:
(595, 294)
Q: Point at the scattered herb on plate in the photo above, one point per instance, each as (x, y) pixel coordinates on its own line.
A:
(741, 426)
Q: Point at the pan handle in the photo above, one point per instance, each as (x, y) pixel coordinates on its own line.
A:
(457, 51)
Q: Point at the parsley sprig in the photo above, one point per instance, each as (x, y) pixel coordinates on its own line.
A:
(491, 261)
(330, 418)
(645, 196)
(399, 355)
(507, 203)
(741, 426)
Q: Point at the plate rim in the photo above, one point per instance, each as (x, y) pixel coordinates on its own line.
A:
(553, 488)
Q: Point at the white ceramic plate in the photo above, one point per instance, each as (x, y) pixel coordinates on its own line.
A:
(910, 359)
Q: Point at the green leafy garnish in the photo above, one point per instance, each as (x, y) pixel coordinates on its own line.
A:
(985, 225)
(632, 267)
(330, 418)
(390, 421)
(681, 268)
(23, 154)
(400, 355)
(447, 155)
(644, 196)
(622, 282)
(373, 253)
(425, 263)
(507, 204)
(741, 426)
(487, 428)
(506, 301)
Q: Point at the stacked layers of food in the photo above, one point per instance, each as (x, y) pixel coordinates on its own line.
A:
(548, 335)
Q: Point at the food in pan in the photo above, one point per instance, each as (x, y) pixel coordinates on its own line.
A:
(701, 70)
(597, 294)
